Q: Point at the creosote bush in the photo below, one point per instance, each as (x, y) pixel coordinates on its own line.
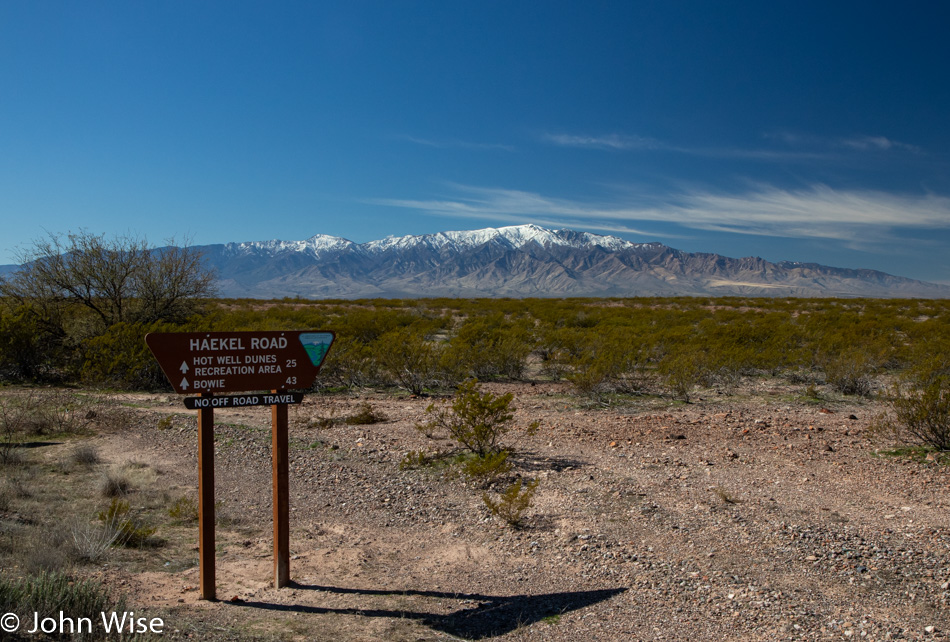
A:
(487, 469)
(921, 413)
(477, 421)
(184, 509)
(130, 532)
(513, 503)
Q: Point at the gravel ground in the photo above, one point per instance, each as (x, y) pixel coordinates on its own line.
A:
(737, 517)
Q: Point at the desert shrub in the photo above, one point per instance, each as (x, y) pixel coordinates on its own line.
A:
(513, 503)
(682, 371)
(611, 362)
(323, 422)
(184, 509)
(592, 380)
(119, 357)
(850, 373)
(131, 532)
(90, 542)
(492, 346)
(365, 415)
(411, 361)
(477, 421)
(415, 459)
(28, 350)
(920, 414)
(350, 364)
(487, 469)
(50, 554)
(114, 483)
(84, 455)
(50, 593)
(39, 412)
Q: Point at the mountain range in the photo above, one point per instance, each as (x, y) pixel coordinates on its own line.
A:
(525, 261)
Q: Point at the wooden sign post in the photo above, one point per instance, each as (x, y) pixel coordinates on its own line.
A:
(211, 362)
(280, 464)
(206, 501)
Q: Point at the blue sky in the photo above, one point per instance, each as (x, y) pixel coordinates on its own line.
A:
(808, 131)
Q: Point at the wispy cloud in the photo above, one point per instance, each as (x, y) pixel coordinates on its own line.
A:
(607, 141)
(858, 143)
(877, 143)
(860, 218)
(625, 142)
(452, 143)
(795, 147)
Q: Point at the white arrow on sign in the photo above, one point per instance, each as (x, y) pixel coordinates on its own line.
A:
(184, 367)
(184, 384)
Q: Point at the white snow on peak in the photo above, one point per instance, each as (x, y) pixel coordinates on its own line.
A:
(315, 245)
(515, 236)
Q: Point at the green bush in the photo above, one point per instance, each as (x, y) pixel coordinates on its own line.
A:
(120, 358)
(850, 373)
(513, 503)
(184, 509)
(476, 421)
(682, 371)
(415, 459)
(130, 532)
(28, 350)
(921, 413)
(486, 469)
(410, 360)
(492, 346)
(50, 593)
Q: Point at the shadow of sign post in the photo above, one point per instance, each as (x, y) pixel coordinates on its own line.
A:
(494, 615)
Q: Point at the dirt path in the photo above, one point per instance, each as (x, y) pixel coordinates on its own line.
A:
(762, 518)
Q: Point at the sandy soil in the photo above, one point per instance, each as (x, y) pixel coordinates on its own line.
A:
(748, 517)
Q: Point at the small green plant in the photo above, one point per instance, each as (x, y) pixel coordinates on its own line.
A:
(184, 509)
(812, 392)
(365, 415)
(920, 454)
(130, 532)
(166, 422)
(513, 503)
(477, 421)
(486, 469)
(415, 459)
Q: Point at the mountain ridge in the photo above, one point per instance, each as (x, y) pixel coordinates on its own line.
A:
(526, 261)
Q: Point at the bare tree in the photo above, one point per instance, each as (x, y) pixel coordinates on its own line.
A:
(118, 279)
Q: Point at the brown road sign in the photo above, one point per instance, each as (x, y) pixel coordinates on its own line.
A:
(198, 362)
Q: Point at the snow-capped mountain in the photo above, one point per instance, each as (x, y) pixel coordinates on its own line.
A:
(522, 261)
